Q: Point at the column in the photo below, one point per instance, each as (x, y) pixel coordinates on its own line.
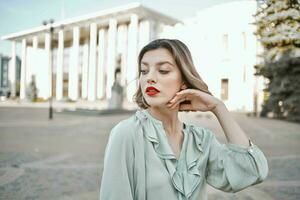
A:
(31, 61)
(48, 70)
(92, 63)
(144, 33)
(122, 49)
(111, 56)
(35, 42)
(23, 71)
(73, 67)
(60, 63)
(85, 66)
(101, 63)
(132, 71)
(12, 70)
(33, 65)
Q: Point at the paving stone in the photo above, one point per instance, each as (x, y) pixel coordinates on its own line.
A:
(63, 158)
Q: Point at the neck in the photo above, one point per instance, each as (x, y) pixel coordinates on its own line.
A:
(169, 119)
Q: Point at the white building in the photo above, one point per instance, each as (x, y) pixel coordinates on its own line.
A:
(86, 51)
(224, 49)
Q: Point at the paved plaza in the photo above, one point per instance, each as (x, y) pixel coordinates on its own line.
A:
(62, 159)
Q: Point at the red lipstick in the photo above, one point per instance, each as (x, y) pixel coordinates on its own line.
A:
(151, 91)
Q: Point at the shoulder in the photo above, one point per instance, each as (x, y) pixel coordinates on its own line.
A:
(123, 131)
(125, 124)
(120, 145)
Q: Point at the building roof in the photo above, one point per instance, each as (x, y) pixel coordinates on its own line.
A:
(121, 14)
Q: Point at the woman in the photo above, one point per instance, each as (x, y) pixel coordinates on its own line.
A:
(153, 155)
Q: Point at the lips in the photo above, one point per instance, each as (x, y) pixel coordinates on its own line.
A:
(152, 90)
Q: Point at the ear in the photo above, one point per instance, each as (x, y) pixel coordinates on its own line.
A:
(183, 86)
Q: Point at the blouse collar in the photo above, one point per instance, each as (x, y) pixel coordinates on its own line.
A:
(152, 129)
(143, 115)
(156, 121)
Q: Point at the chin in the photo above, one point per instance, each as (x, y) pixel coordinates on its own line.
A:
(154, 103)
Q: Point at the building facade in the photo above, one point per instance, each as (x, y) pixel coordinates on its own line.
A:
(224, 49)
(87, 51)
(5, 87)
(77, 58)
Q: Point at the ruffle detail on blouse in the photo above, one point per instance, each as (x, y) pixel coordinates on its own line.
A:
(184, 181)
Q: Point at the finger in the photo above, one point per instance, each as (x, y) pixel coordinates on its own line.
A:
(178, 98)
(185, 92)
(185, 107)
(183, 100)
(174, 104)
(172, 101)
(182, 95)
(185, 97)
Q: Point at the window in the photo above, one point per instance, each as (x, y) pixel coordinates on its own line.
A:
(225, 47)
(225, 42)
(244, 74)
(224, 89)
(244, 40)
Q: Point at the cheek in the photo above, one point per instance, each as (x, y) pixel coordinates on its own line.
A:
(142, 82)
(172, 80)
(171, 84)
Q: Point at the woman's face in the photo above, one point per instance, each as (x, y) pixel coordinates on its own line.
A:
(158, 69)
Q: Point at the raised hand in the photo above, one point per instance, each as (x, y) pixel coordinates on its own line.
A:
(193, 100)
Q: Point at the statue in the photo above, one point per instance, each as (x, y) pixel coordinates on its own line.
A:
(116, 99)
(32, 90)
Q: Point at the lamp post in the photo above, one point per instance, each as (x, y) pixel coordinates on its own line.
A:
(45, 23)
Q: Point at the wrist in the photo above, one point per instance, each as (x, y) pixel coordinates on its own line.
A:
(220, 106)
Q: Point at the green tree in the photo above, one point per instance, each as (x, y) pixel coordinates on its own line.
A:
(278, 30)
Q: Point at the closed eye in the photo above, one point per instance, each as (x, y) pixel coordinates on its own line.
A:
(163, 71)
(143, 71)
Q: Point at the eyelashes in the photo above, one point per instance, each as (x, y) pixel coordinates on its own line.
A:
(161, 71)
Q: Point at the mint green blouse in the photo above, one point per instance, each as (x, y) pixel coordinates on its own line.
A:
(139, 163)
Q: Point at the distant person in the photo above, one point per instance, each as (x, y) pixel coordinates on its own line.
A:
(116, 100)
(153, 155)
(32, 89)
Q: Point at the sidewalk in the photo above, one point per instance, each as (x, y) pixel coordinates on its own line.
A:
(63, 105)
(63, 158)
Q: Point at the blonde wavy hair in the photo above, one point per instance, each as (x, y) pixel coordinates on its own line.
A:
(183, 59)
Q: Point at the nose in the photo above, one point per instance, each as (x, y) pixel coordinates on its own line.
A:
(151, 78)
(151, 81)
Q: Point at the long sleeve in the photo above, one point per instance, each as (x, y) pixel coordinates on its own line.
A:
(117, 178)
(232, 168)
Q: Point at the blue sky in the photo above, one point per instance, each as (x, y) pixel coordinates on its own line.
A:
(18, 15)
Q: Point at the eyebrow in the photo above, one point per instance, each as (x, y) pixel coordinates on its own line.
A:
(159, 63)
